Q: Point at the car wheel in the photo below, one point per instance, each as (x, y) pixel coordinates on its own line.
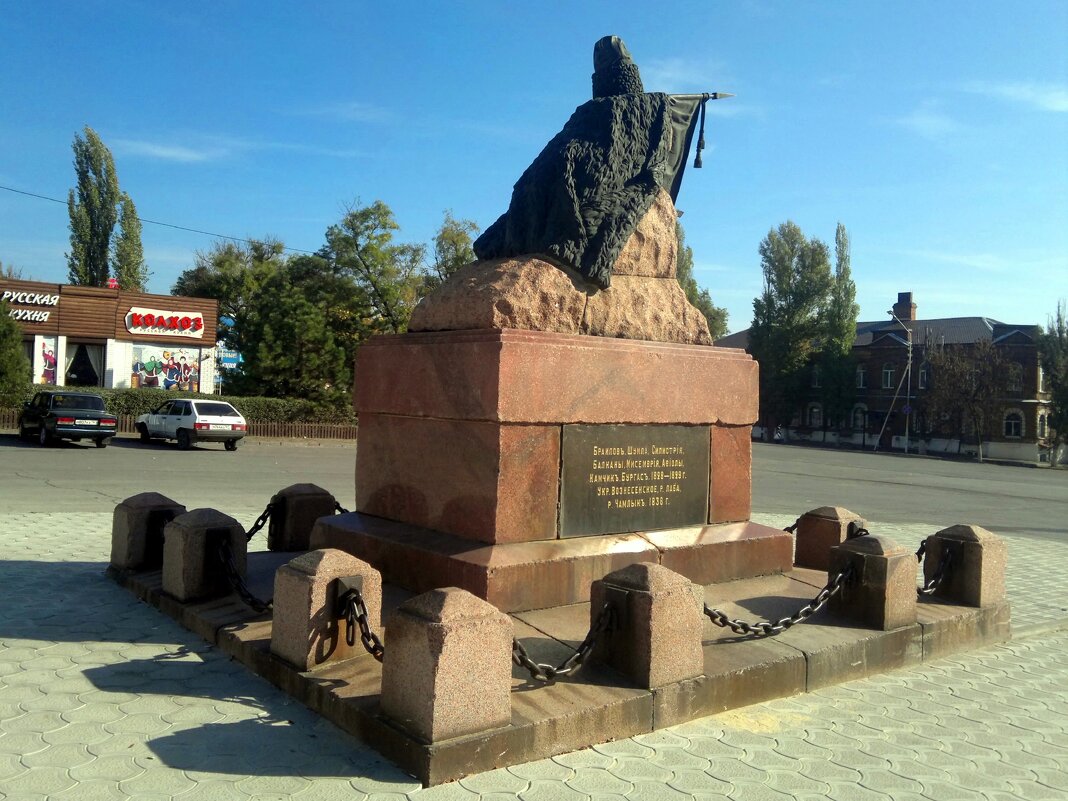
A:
(23, 433)
(142, 429)
(103, 442)
(42, 437)
(183, 439)
(231, 444)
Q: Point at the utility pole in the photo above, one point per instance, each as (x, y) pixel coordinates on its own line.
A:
(908, 377)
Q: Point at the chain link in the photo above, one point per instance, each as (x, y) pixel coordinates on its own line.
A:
(793, 528)
(940, 574)
(539, 671)
(356, 616)
(233, 575)
(261, 521)
(832, 588)
(341, 510)
(921, 550)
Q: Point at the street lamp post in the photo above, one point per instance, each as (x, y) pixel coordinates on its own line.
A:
(908, 374)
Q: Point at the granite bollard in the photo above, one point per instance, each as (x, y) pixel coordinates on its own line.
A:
(882, 590)
(820, 530)
(137, 530)
(294, 511)
(192, 570)
(656, 635)
(307, 628)
(447, 669)
(976, 573)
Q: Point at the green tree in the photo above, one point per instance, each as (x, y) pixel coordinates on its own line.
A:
(699, 298)
(14, 366)
(835, 360)
(1053, 354)
(452, 250)
(128, 257)
(11, 272)
(390, 275)
(231, 272)
(94, 208)
(965, 389)
(290, 350)
(788, 318)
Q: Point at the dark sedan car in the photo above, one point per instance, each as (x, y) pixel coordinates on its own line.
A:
(75, 416)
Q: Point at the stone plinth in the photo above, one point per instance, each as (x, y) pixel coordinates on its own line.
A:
(976, 574)
(461, 447)
(448, 666)
(882, 590)
(820, 530)
(137, 530)
(656, 636)
(294, 511)
(308, 628)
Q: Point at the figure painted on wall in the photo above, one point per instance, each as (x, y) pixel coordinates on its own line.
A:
(48, 375)
(172, 372)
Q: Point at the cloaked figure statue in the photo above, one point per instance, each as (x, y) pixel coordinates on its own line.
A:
(588, 189)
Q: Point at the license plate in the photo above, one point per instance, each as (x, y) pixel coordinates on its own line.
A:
(219, 427)
(85, 422)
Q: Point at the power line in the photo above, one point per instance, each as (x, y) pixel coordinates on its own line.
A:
(157, 222)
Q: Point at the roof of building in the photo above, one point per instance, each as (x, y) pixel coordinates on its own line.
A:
(945, 330)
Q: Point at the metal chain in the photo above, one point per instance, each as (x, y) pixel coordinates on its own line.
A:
(356, 615)
(921, 551)
(341, 510)
(265, 515)
(832, 588)
(539, 671)
(940, 574)
(793, 528)
(237, 583)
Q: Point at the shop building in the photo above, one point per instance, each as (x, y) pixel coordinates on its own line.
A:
(81, 336)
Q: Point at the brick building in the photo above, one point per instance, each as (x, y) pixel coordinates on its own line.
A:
(100, 337)
(887, 409)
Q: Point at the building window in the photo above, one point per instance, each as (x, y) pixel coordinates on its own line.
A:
(815, 376)
(1041, 426)
(1014, 377)
(862, 377)
(860, 418)
(1013, 425)
(925, 375)
(1043, 385)
(85, 366)
(815, 415)
(888, 376)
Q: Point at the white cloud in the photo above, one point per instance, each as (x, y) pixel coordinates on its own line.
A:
(215, 148)
(930, 123)
(351, 111)
(1042, 96)
(166, 152)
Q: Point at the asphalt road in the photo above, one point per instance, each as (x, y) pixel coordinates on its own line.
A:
(786, 480)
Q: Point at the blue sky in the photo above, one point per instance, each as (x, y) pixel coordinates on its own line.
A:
(936, 132)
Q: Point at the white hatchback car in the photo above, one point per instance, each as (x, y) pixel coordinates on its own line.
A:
(190, 421)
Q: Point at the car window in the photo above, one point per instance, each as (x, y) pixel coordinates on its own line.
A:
(165, 408)
(187, 408)
(217, 408)
(94, 402)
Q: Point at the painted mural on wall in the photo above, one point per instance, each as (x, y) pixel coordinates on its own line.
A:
(173, 368)
(48, 360)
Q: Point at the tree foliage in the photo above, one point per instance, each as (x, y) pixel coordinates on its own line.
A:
(965, 389)
(699, 298)
(93, 206)
(390, 275)
(11, 272)
(452, 250)
(1053, 354)
(835, 361)
(15, 368)
(789, 317)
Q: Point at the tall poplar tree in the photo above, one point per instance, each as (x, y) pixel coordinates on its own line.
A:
(93, 206)
(699, 298)
(1053, 353)
(836, 365)
(788, 317)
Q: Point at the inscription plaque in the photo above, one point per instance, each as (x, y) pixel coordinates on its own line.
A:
(621, 478)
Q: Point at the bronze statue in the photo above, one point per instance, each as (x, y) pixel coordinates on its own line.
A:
(588, 189)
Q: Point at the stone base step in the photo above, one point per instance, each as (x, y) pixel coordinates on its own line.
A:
(519, 576)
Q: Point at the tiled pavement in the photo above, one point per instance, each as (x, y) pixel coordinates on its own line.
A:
(104, 698)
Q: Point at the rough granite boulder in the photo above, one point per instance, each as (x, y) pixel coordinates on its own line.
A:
(644, 301)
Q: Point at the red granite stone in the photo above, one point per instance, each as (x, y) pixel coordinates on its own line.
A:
(481, 480)
(730, 483)
(543, 377)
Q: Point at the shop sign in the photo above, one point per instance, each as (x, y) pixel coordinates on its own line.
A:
(30, 299)
(157, 322)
